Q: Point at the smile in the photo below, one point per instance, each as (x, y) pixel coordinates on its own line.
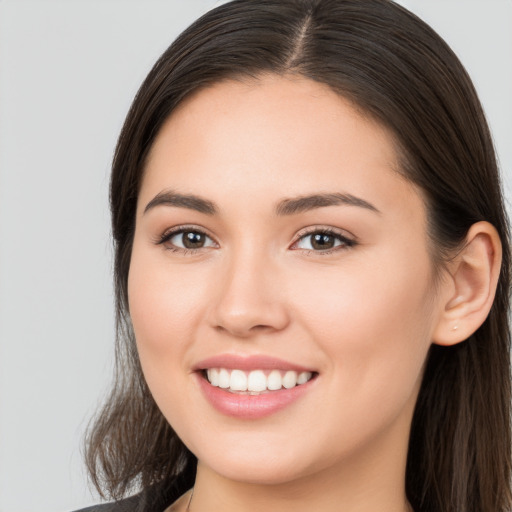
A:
(256, 381)
(252, 387)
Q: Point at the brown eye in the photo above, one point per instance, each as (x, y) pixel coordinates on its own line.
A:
(187, 239)
(323, 241)
(193, 239)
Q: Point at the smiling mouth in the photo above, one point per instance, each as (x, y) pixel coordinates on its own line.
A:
(256, 382)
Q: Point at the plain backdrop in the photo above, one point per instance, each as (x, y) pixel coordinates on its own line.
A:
(68, 72)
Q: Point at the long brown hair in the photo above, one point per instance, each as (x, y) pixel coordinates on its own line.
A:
(400, 72)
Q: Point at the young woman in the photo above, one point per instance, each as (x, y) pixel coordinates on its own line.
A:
(312, 273)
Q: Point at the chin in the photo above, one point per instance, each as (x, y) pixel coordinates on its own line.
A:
(260, 459)
(269, 472)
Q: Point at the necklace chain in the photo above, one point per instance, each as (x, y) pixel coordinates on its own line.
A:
(192, 495)
(190, 501)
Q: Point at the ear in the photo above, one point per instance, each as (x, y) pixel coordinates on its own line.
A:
(468, 291)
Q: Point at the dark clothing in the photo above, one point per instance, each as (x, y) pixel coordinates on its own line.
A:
(133, 504)
(150, 500)
(155, 498)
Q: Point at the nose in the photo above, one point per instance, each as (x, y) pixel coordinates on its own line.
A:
(250, 298)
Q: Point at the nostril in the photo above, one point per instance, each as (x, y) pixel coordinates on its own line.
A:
(261, 327)
(244, 332)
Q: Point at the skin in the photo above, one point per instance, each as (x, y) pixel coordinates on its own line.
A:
(362, 315)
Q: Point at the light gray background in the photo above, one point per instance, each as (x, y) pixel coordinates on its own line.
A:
(68, 72)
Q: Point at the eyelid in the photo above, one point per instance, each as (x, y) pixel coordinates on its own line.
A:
(322, 228)
(348, 239)
(176, 230)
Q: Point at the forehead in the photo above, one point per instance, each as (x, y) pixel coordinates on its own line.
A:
(292, 105)
(273, 137)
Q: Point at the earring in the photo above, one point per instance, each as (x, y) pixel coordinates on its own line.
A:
(455, 327)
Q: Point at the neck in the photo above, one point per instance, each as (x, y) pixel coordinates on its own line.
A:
(295, 498)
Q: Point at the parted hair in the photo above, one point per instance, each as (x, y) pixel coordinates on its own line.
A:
(397, 70)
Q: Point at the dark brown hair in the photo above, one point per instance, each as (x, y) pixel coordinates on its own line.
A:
(399, 71)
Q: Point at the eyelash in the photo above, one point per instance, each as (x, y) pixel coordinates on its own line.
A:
(346, 243)
(168, 235)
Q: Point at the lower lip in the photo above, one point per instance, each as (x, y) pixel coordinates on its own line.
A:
(251, 406)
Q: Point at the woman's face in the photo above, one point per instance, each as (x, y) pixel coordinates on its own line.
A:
(276, 247)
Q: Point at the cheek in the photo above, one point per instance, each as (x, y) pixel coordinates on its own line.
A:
(375, 325)
(163, 303)
(165, 311)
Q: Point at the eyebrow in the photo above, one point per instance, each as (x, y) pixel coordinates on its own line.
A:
(291, 206)
(192, 202)
(304, 203)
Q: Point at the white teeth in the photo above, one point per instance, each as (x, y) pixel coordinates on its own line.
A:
(224, 378)
(238, 381)
(213, 376)
(274, 380)
(303, 377)
(290, 380)
(256, 381)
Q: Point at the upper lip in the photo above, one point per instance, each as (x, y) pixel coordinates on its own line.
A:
(248, 363)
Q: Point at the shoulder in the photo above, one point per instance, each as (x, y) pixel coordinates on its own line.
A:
(133, 504)
(156, 498)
